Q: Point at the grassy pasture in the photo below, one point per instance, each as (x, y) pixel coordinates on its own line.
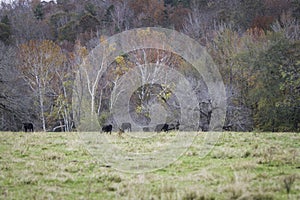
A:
(240, 166)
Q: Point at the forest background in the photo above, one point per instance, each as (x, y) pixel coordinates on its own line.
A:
(255, 44)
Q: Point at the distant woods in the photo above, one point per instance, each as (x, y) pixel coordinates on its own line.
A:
(254, 43)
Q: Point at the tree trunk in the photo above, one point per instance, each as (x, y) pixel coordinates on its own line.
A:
(41, 101)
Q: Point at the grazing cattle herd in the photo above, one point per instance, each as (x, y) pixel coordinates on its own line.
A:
(63, 125)
(127, 127)
(59, 127)
(124, 127)
(167, 127)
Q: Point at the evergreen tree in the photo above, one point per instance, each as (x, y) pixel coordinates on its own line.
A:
(38, 12)
(5, 30)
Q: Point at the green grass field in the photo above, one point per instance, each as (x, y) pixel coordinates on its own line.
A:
(240, 166)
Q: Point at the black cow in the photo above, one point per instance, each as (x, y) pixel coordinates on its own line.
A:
(126, 126)
(174, 126)
(107, 128)
(162, 127)
(171, 127)
(146, 129)
(177, 126)
(227, 127)
(28, 126)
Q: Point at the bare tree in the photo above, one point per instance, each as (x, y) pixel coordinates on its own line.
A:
(38, 62)
(120, 15)
(86, 86)
(197, 24)
(24, 24)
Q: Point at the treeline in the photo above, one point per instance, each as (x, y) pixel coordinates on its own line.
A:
(255, 44)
